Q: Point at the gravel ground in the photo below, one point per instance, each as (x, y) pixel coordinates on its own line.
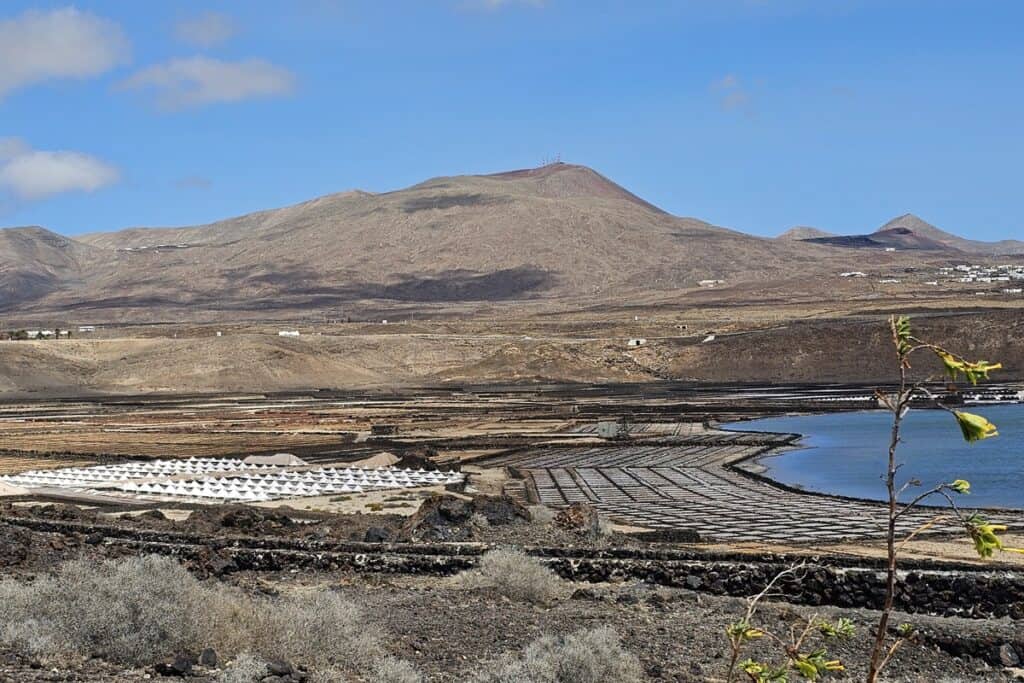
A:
(451, 630)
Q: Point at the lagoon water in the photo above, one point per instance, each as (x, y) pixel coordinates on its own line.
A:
(845, 453)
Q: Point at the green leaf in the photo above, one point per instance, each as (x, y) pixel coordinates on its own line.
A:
(901, 328)
(974, 427)
(842, 628)
(960, 486)
(984, 535)
(974, 372)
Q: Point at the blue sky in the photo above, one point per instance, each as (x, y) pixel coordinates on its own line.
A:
(753, 114)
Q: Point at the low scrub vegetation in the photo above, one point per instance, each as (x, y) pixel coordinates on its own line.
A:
(517, 576)
(137, 611)
(246, 668)
(590, 656)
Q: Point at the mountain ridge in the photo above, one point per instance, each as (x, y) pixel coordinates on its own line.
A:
(559, 232)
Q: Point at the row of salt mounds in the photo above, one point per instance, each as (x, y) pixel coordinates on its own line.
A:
(88, 477)
(272, 486)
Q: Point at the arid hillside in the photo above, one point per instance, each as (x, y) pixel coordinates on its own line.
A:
(552, 234)
(909, 232)
(751, 349)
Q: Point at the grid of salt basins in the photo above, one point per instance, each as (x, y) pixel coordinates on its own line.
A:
(271, 486)
(223, 480)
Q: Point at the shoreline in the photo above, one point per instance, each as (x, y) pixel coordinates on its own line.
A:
(755, 467)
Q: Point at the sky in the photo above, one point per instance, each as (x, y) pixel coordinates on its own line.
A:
(757, 115)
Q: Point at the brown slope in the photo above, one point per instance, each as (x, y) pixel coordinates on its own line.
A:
(928, 231)
(555, 232)
(561, 233)
(803, 232)
(35, 262)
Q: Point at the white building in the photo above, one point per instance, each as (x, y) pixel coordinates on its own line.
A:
(288, 333)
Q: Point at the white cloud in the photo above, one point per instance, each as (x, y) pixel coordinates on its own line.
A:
(30, 174)
(12, 147)
(65, 43)
(206, 30)
(195, 81)
(733, 95)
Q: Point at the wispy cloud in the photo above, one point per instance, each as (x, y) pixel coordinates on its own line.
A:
(193, 182)
(733, 95)
(198, 81)
(493, 5)
(206, 30)
(29, 174)
(38, 46)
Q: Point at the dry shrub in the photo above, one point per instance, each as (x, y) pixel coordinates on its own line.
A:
(130, 611)
(394, 670)
(318, 629)
(137, 611)
(479, 522)
(541, 515)
(590, 656)
(247, 668)
(518, 577)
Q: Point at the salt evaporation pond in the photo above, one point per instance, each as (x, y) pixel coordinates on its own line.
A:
(845, 453)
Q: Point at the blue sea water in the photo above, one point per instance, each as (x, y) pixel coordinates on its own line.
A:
(845, 453)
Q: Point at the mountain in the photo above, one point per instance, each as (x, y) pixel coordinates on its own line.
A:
(803, 232)
(561, 234)
(891, 238)
(926, 230)
(35, 262)
(908, 232)
(558, 232)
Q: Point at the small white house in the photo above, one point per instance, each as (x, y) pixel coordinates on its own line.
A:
(86, 328)
(711, 283)
(639, 341)
(853, 273)
(288, 333)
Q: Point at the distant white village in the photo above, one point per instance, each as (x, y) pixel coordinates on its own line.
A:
(1010, 276)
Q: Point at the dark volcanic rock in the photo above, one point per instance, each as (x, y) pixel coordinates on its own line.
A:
(579, 518)
(500, 510)
(180, 666)
(14, 546)
(208, 658)
(668, 536)
(252, 519)
(446, 518)
(154, 515)
(376, 534)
